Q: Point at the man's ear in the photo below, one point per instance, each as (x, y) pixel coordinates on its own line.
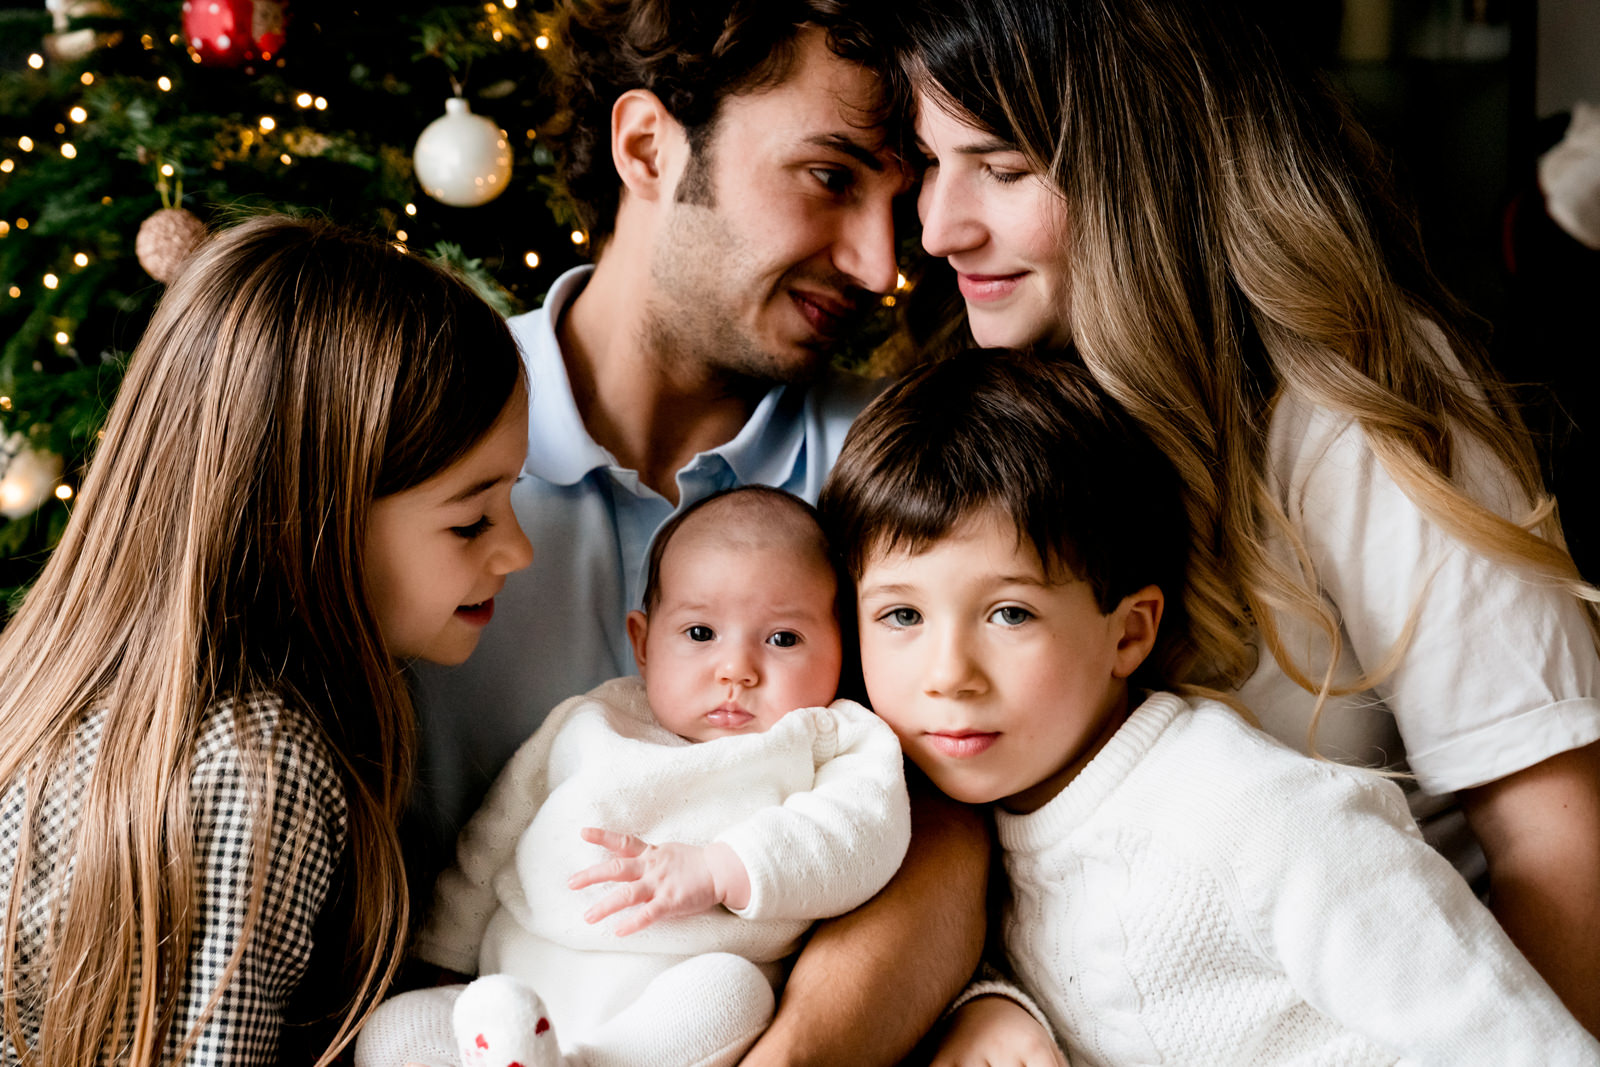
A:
(643, 135)
(638, 630)
(1134, 624)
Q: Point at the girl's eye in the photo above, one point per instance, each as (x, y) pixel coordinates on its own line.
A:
(1011, 616)
(474, 530)
(700, 633)
(902, 617)
(784, 639)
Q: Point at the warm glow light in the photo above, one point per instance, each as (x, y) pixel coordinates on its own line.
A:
(322, 103)
(15, 291)
(900, 281)
(164, 83)
(511, 5)
(577, 237)
(148, 41)
(22, 224)
(247, 137)
(81, 259)
(541, 42)
(6, 166)
(25, 143)
(51, 281)
(68, 151)
(77, 114)
(285, 159)
(63, 492)
(411, 209)
(86, 78)
(497, 35)
(888, 301)
(166, 170)
(5, 403)
(268, 124)
(5, 227)
(61, 337)
(36, 61)
(402, 235)
(531, 259)
(304, 99)
(401, 247)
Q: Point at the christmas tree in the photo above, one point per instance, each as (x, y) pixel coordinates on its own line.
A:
(127, 126)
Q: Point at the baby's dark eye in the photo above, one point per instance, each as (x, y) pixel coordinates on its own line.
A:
(784, 639)
(700, 633)
(474, 530)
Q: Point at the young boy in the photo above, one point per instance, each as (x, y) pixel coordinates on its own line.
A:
(1183, 889)
(760, 819)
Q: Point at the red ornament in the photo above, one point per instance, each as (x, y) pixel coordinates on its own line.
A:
(225, 33)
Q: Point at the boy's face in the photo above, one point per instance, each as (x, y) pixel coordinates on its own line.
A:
(1000, 683)
(739, 637)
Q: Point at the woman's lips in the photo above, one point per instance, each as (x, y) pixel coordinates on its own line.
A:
(981, 288)
(962, 745)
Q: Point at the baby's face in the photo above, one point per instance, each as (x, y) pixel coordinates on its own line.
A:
(739, 637)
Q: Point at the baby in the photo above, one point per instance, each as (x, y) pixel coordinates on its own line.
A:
(732, 802)
(1183, 888)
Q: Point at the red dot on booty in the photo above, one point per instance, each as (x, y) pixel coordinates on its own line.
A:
(480, 1042)
(541, 1026)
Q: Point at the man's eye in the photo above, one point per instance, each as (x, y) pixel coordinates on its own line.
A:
(784, 639)
(474, 530)
(1011, 616)
(833, 179)
(700, 633)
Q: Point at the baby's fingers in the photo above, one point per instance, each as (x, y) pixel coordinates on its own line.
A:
(639, 918)
(612, 870)
(623, 897)
(611, 841)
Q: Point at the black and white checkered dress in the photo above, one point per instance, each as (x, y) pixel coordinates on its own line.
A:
(307, 841)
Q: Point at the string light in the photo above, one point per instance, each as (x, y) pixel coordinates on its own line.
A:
(401, 247)
(5, 402)
(888, 300)
(268, 124)
(497, 35)
(5, 227)
(322, 103)
(36, 61)
(402, 235)
(69, 151)
(175, 39)
(166, 170)
(63, 492)
(511, 5)
(411, 209)
(147, 41)
(541, 42)
(577, 237)
(531, 259)
(22, 224)
(15, 291)
(61, 337)
(61, 127)
(25, 143)
(303, 100)
(164, 83)
(81, 259)
(900, 282)
(77, 114)
(87, 78)
(285, 159)
(51, 281)
(6, 166)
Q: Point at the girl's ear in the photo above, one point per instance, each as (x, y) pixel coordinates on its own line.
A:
(1134, 624)
(643, 137)
(638, 630)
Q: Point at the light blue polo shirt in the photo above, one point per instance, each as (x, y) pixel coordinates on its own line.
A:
(558, 628)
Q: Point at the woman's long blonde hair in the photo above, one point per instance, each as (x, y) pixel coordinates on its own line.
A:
(294, 373)
(1232, 238)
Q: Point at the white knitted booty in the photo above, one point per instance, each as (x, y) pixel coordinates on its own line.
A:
(500, 1022)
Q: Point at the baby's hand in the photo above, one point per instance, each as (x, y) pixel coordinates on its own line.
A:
(995, 1032)
(665, 881)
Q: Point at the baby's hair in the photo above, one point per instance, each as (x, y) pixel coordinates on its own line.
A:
(766, 513)
(1033, 438)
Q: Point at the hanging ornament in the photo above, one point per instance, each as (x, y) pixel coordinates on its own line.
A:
(225, 33)
(66, 43)
(462, 159)
(165, 240)
(27, 477)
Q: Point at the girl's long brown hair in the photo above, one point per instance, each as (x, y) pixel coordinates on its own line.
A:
(294, 373)
(1233, 239)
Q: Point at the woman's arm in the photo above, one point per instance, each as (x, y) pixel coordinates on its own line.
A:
(1540, 830)
(870, 983)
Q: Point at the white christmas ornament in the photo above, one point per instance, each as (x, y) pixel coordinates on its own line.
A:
(462, 159)
(29, 477)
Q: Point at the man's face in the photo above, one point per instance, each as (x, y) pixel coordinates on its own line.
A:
(783, 229)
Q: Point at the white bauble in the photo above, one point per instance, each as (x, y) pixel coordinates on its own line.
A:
(29, 480)
(462, 159)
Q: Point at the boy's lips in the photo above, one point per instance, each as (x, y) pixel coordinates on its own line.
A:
(961, 744)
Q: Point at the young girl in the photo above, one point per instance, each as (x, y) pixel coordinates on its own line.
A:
(205, 737)
(1184, 889)
(1376, 569)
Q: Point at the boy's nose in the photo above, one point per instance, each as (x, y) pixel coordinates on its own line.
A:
(953, 671)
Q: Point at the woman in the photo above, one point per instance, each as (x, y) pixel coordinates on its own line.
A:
(1377, 573)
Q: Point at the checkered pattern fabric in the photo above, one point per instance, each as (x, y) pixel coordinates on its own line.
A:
(307, 840)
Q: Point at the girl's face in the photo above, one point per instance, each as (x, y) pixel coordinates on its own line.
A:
(436, 554)
(1001, 225)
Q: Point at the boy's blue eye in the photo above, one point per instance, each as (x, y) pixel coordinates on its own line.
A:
(1011, 616)
(474, 530)
(784, 639)
(700, 633)
(903, 617)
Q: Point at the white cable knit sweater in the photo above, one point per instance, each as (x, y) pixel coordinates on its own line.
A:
(1200, 894)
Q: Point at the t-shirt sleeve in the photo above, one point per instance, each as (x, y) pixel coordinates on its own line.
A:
(1500, 669)
(306, 842)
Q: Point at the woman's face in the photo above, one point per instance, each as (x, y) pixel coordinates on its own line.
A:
(1000, 224)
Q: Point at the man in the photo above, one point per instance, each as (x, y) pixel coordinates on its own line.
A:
(737, 184)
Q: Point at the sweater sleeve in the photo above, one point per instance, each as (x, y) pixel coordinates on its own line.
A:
(464, 898)
(827, 850)
(237, 1019)
(1443, 986)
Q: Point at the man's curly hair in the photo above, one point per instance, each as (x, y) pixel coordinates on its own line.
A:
(692, 54)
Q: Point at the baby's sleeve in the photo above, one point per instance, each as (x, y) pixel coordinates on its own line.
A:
(827, 850)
